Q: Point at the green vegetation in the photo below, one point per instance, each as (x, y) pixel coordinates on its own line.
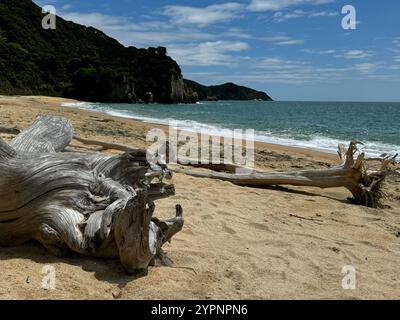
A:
(76, 61)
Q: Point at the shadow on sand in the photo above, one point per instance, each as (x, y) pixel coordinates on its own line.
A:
(107, 270)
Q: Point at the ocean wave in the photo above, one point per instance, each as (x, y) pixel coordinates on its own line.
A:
(320, 143)
(82, 105)
(327, 144)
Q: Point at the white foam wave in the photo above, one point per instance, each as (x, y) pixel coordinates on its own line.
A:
(82, 105)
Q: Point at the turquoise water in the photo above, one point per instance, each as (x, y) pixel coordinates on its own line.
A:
(317, 125)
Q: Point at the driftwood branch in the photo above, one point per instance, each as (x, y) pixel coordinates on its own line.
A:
(227, 167)
(6, 130)
(352, 174)
(106, 145)
(91, 203)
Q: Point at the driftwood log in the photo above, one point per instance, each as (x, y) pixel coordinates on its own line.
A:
(91, 203)
(353, 174)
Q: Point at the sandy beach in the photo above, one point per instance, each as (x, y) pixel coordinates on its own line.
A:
(237, 242)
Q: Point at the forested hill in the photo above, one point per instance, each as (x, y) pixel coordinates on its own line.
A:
(81, 62)
(227, 91)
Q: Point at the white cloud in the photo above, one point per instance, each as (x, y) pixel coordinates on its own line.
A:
(152, 32)
(188, 46)
(316, 51)
(153, 38)
(95, 19)
(396, 63)
(382, 76)
(355, 54)
(273, 63)
(141, 34)
(396, 42)
(281, 16)
(366, 67)
(290, 42)
(324, 14)
(275, 5)
(237, 33)
(203, 16)
(211, 53)
(66, 6)
(280, 70)
(283, 40)
(42, 3)
(217, 13)
(394, 67)
(277, 38)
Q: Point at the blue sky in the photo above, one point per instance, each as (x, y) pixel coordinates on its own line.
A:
(292, 49)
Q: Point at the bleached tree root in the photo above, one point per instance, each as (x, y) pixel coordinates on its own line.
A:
(353, 174)
(91, 203)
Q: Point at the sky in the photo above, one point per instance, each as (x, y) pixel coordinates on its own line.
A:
(291, 49)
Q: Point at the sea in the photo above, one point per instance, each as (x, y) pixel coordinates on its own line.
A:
(315, 125)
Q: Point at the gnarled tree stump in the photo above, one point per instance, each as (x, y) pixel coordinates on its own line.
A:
(91, 203)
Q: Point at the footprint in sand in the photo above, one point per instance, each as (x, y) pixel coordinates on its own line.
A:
(215, 205)
(227, 229)
(226, 213)
(259, 226)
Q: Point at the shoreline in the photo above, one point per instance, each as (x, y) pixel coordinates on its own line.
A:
(310, 153)
(316, 142)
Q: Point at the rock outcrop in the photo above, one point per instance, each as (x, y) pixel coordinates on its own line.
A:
(178, 90)
(181, 92)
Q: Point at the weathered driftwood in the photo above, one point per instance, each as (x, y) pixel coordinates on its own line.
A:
(353, 174)
(91, 203)
(46, 134)
(227, 167)
(364, 185)
(105, 145)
